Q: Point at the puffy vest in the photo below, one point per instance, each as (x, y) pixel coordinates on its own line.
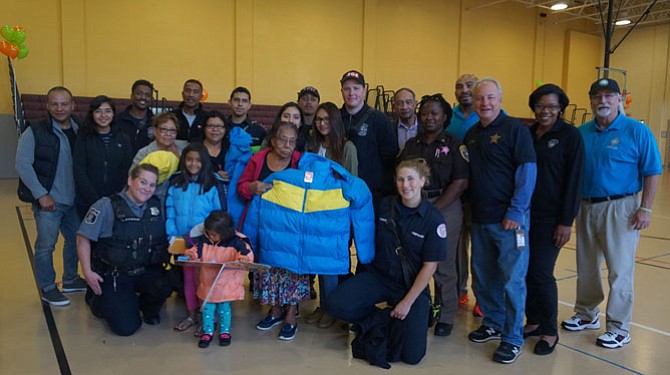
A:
(47, 147)
(136, 241)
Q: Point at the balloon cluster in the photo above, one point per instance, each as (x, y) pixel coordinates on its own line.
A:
(13, 45)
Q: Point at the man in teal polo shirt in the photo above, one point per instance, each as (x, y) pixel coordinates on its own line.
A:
(622, 160)
(464, 113)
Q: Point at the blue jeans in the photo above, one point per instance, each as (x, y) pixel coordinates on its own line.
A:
(327, 283)
(48, 224)
(501, 270)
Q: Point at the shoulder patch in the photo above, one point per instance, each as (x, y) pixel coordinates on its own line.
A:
(442, 230)
(464, 152)
(91, 215)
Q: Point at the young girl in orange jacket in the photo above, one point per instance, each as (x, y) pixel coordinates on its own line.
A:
(219, 244)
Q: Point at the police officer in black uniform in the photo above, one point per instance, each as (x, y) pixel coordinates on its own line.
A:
(121, 245)
(422, 233)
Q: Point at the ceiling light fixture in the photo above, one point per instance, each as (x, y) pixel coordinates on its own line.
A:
(622, 22)
(559, 6)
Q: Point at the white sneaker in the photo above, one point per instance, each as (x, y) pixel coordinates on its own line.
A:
(612, 340)
(577, 324)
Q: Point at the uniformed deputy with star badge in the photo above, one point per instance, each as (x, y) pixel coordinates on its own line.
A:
(502, 178)
(121, 245)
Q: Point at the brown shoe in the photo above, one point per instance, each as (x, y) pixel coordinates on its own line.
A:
(326, 321)
(314, 317)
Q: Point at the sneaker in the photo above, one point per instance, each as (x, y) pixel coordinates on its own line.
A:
(577, 324)
(268, 322)
(484, 334)
(55, 298)
(288, 332)
(506, 353)
(78, 285)
(224, 339)
(612, 340)
(463, 300)
(204, 340)
(314, 317)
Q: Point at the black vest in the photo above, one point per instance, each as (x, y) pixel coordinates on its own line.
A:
(136, 242)
(47, 147)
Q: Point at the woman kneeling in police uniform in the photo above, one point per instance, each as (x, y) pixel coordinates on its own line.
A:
(410, 240)
(121, 245)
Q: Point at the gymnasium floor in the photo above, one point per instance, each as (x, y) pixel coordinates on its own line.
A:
(38, 339)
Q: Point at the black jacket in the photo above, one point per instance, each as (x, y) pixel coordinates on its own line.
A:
(139, 131)
(376, 145)
(47, 148)
(100, 172)
(193, 132)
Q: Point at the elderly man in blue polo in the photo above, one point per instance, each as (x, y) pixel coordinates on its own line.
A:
(621, 172)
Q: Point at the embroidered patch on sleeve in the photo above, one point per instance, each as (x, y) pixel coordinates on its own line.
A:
(442, 230)
(91, 215)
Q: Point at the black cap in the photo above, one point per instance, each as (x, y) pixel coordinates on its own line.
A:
(355, 75)
(604, 84)
(309, 90)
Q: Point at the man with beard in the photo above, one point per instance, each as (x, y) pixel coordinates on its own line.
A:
(623, 159)
(135, 120)
(464, 114)
(404, 106)
(190, 112)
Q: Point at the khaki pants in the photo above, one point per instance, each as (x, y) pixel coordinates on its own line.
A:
(604, 232)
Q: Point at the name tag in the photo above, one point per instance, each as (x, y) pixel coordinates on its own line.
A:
(417, 234)
(520, 236)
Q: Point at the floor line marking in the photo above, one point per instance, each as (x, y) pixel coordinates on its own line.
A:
(59, 351)
(600, 358)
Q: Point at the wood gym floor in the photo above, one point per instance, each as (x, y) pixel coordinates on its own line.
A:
(38, 339)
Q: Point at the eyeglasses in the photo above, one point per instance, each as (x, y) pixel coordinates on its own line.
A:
(548, 107)
(606, 96)
(215, 127)
(167, 131)
(322, 120)
(286, 141)
(436, 97)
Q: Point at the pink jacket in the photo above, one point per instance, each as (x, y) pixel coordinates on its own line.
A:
(251, 173)
(230, 286)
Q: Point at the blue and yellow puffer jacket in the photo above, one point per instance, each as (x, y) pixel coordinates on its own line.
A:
(303, 223)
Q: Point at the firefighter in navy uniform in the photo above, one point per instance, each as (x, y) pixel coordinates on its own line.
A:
(121, 245)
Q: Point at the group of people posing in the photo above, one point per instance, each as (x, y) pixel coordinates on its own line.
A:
(410, 190)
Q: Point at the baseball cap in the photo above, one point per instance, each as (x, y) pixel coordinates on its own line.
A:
(604, 84)
(355, 75)
(309, 90)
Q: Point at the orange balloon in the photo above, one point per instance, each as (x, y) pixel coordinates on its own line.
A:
(9, 49)
(205, 94)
